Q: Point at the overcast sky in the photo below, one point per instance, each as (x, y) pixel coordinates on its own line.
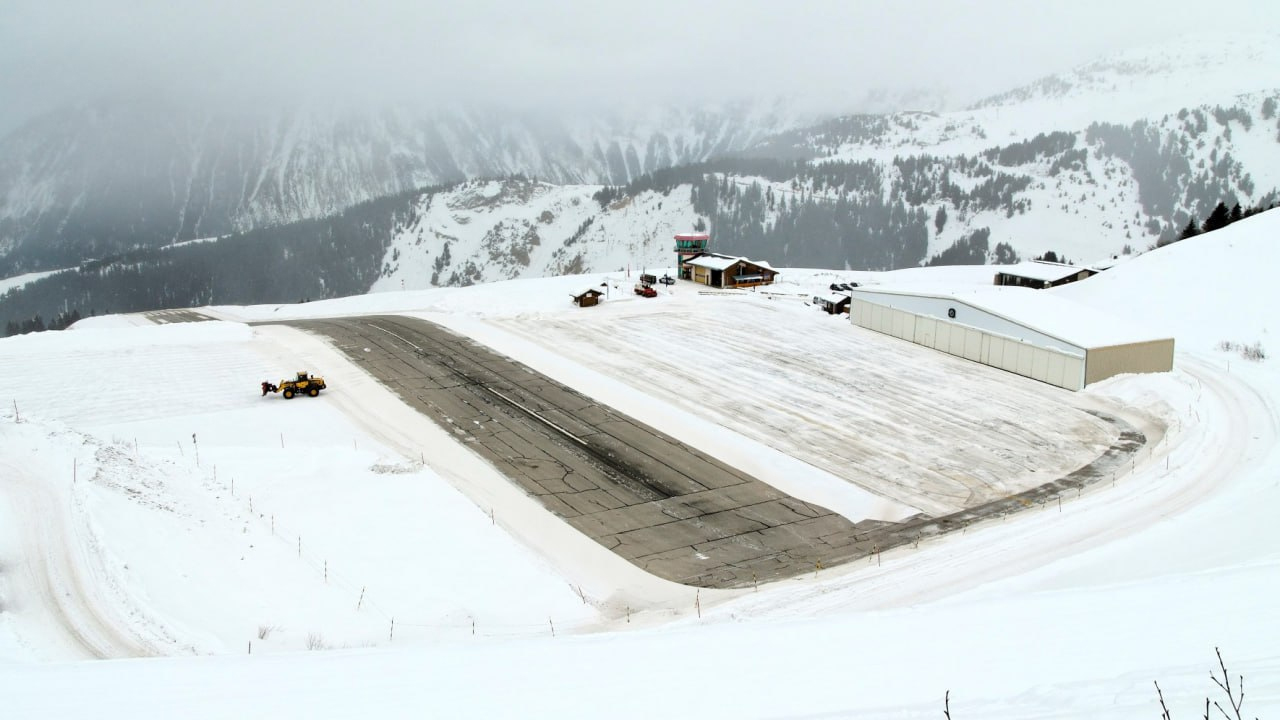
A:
(542, 53)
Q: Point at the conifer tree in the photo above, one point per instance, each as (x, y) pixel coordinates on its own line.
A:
(1191, 230)
(1218, 219)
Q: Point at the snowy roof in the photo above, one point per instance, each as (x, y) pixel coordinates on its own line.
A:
(716, 261)
(836, 299)
(1046, 313)
(1040, 270)
(592, 289)
(1109, 262)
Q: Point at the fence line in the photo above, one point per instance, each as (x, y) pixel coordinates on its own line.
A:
(365, 598)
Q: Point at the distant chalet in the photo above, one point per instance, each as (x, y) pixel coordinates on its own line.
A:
(727, 271)
(1040, 274)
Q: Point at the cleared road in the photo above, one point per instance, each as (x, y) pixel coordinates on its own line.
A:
(660, 504)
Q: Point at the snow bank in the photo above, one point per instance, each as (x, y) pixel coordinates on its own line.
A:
(281, 520)
(1204, 290)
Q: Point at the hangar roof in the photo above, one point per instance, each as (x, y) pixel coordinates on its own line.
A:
(1038, 310)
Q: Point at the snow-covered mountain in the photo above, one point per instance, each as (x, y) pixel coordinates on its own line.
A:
(108, 176)
(1114, 157)
(1024, 175)
(482, 231)
(1119, 152)
(1127, 85)
(105, 177)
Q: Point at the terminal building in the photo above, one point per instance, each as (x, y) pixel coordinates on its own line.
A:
(694, 262)
(727, 271)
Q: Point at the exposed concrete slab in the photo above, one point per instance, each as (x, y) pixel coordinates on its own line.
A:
(164, 317)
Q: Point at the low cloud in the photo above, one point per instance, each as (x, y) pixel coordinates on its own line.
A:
(554, 54)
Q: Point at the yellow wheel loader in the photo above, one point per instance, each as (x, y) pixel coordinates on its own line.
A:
(304, 384)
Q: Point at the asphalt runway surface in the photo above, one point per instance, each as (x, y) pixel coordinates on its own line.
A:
(655, 501)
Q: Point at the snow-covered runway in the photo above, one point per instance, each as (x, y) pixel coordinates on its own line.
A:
(923, 429)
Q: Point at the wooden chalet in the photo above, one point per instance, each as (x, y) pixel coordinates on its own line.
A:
(1040, 274)
(727, 271)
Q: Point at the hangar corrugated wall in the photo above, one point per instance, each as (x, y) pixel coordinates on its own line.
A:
(1048, 365)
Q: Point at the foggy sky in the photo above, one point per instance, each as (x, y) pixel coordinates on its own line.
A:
(561, 53)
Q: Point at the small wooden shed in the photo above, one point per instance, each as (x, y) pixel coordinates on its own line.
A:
(587, 298)
(836, 304)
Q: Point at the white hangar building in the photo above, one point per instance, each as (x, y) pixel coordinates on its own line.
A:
(1028, 332)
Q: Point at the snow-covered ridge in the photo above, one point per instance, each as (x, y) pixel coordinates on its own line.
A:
(484, 231)
(1211, 69)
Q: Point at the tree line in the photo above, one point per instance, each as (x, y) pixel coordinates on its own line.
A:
(1219, 218)
(308, 260)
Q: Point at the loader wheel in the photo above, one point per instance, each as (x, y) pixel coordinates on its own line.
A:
(288, 394)
(313, 392)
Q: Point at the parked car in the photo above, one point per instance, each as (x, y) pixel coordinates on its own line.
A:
(835, 287)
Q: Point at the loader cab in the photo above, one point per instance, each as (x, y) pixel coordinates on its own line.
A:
(302, 376)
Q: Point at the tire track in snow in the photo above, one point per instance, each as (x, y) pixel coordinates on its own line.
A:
(51, 579)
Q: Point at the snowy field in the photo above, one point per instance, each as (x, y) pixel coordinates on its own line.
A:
(18, 281)
(153, 504)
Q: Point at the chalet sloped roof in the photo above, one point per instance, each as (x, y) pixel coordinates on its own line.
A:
(716, 261)
(1039, 270)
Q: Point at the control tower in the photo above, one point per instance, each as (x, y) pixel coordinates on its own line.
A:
(687, 246)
